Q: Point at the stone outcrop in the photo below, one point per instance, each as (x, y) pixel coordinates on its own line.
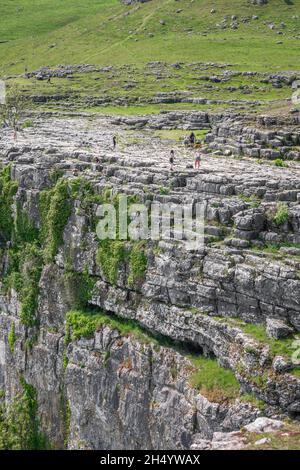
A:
(230, 301)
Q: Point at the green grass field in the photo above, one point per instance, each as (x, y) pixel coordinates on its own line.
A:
(35, 33)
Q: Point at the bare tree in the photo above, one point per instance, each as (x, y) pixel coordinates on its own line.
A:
(12, 110)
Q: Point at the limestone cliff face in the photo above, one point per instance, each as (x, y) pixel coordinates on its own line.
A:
(101, 382)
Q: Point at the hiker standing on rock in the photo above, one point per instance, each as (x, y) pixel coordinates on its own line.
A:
(192, 139)
(114, 142)
(171, 160)
(197, 160)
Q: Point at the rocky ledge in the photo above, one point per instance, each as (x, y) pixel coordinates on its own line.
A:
(147, 344)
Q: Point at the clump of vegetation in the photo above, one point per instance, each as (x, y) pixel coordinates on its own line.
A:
(55, 174)
(19, 424)
(274, 248)
(137, 263)
(12, 337)
(80, 324)
(85, 192)
(110, 255)
(295, 372)
(65, 360)
(8, 189)
(164, 191)
(280, 163)
(281, 215)
(84, 324)
(28, 123)
(81, 286)
(65, 413)
(55, 210)
(24, 256)
(23, 275)
(213, 381)
(30, 276)
(282, 347)
(253, 200)
(24, 230)
(256, 402)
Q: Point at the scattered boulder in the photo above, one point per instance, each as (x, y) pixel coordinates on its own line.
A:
(280, 365)
(278, 328)
(262, 424)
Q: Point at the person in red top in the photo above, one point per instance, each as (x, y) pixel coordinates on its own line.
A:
(197, 160)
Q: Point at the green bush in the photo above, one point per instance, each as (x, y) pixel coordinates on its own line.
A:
(31, 271)
(55, 210)
(110, 255)
(282, 214)
(280, 163)
(25, 231)
(8, 189)
(25, 264)
(12, 337)
(19, 424)
(26, 124)
(137, 263)
(80, 285)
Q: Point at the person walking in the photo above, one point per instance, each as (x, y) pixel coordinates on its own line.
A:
(171, 160)
(114, 142)
(197, 160)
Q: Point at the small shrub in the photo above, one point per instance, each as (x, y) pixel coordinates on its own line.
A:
(19, 424)
(12, 337)
(55, 210)
(137, 263)
(164, 191)
(282, 214)
(280, 163)
(26, 124)
(80, 286)
(31, 271)
(8, 189)
(110, 255)
(25, 231)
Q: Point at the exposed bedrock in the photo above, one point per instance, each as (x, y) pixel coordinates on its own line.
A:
(106, 383)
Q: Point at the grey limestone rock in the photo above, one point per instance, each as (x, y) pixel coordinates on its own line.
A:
(278, 329)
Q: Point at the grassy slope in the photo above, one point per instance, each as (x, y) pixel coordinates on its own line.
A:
(96, 31)
(107, 32)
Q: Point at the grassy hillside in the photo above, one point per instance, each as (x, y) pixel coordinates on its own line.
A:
(36, 33)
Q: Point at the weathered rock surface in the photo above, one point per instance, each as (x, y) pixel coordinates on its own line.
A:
(123, 393)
